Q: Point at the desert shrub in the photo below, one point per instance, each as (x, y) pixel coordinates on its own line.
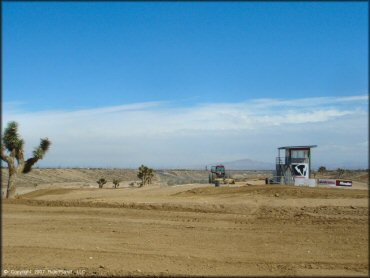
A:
(116, 182)
(321, 170)
(145, 174)
(101, 182)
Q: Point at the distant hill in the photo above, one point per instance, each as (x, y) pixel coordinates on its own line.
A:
(247, 164)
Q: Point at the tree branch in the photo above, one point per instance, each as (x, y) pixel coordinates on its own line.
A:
(4, 157)
(28, 164)
(38, 154)
(20, 160)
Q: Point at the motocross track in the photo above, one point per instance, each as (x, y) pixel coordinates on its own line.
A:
(194, 229)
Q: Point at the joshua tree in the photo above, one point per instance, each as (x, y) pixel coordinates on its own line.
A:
(145, 175)
(340, 172)
(321, 170)
(116, 182)
(101, 182)
(13, 144)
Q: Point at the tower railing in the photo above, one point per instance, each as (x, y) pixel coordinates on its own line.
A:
(280, 160)
(297, 160)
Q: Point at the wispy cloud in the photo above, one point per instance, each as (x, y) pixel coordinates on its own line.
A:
(309, 102)
(164, 134)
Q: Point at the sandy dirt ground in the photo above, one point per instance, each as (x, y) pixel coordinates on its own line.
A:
(193, 229)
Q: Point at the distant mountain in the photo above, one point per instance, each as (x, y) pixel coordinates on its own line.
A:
(247, 164)
(242, 164)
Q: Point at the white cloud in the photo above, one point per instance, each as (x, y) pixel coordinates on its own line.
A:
(159, 134)
(314, 101)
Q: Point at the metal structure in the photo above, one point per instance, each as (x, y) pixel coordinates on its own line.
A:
(296, 163)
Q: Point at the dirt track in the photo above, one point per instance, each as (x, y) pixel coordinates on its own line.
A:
(189, 230)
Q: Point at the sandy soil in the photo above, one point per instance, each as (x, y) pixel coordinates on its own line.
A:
(194, 229)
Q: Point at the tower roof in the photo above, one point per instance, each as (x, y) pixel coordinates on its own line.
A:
(298, 147)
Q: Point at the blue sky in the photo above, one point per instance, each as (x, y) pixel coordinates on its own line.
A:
(213, 69)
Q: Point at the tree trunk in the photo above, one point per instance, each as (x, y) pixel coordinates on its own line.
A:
(10, 193)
